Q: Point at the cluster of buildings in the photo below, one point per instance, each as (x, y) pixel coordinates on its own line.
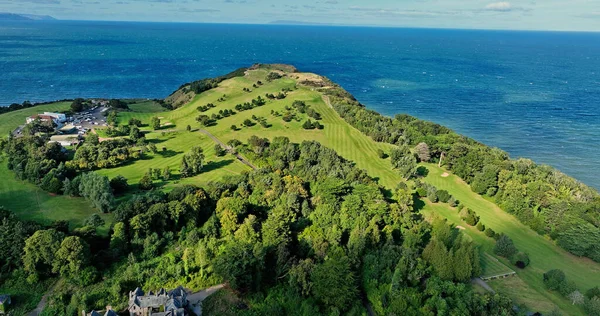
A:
(67, 133)
(57, 118)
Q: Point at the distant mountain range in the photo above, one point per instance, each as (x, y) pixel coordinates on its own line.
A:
(4, 16)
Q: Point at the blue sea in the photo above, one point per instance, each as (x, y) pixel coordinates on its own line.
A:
(533, 94)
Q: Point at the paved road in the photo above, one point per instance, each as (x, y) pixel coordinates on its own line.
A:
(228, 148)
(482, 283)
(196, 298)
(42, 304)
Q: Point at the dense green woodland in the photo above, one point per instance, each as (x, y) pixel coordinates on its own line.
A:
(307, 233)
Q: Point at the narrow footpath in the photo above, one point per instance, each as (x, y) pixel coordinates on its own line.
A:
(229, 149)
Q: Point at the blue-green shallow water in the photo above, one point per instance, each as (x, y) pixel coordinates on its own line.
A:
(533, 94)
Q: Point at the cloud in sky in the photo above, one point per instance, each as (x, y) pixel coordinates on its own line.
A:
(499, 6)
(483, 14)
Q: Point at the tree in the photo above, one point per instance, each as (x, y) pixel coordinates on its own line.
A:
(118, 240)
(469, 216)
(117, 104)
(443, 196)
(39, 251)
(146, 181)
(94, 221)
(554, 279)
(111, 118)
(504, 247)
(166, 173)
(96, 188)
(490, 232)
(520, 259)
(71, 257)
(404, 161)
(135, 122)
(192, 162)
(234, 128)
(381, 154)
(188, 128)
(593, 292)
(119, 184)
(592, 306)
(308, 124)
(480, 226)
(155, 123)
(333, 283)
(219, 150)
(77, 105)
(248, 123)
(240, 265)
(576, 298)
(184, 169)
(135, 134)
(13, 234)
(92, 138)
(422, 151)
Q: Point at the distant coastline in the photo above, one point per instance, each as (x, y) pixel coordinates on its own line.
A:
(6, 16)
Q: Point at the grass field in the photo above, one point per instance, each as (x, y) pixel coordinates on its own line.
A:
(544, 254)
(29, 202)
(11, 120)
(337, 134)
(491, 266)
(146, 106)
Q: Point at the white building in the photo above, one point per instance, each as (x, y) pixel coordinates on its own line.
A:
(57, 118)
(61, 118)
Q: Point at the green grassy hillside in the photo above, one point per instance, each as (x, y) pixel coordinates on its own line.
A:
(544, 254)
(31, 203)
(11, 120)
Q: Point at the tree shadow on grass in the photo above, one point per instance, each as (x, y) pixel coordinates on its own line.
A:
(155, 141)
(214, 165)
(169, 153)
(418, 204)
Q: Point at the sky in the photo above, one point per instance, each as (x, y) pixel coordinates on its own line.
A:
(565, 15)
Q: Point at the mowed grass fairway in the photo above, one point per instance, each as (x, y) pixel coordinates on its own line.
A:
(29, 202)
(11, 120)
(337, 134)
(544, 254)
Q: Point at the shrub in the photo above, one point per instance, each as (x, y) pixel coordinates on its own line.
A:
(592, 306)
(480, 226)
(505, 247)
(219, 151)
(273, 76)
(146, 182)
(443, 196)
(593, 292)
(520, 259)
(421, 192)
(381, 154)
(469, 216)
(234, 143)
(490, 232)
(554, 279)
(432, 194)
(461, 207)
(453, 202)
(118, 184)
